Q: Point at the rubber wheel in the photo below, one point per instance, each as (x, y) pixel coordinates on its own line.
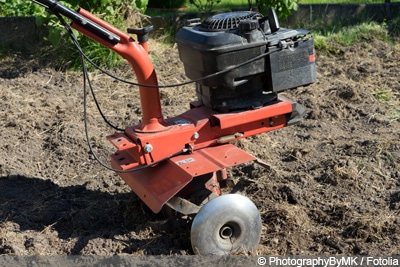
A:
(226, 224)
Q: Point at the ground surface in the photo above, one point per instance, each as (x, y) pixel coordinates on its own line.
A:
(333, 186)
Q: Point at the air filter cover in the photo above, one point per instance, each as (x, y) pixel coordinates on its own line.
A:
(227, 21)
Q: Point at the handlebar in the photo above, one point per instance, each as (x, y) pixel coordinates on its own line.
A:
(55, 7)
(136, 53)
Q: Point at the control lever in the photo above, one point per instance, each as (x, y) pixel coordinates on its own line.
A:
(141, 33)
(272, 20)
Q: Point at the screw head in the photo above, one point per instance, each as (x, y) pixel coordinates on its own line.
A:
(148, 148)
(196, 135)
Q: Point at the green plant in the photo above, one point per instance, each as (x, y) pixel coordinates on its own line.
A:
(166, 4)
(141, 5)
(204, 5)
(115, 12)
(14, 8)
(283, 8)
(383, 95)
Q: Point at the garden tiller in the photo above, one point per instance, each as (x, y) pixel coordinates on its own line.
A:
(239, 62)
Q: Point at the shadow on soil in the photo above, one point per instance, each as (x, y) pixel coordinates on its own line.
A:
(76, 212)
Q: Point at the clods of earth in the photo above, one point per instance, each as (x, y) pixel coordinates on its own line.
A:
(331, 187)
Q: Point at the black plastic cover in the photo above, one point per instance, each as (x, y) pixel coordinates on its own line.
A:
(292, 67)
(290, 64)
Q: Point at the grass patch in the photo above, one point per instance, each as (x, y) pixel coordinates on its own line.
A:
(331, 41)
(383, 95)
(362, 32)
(323, 44)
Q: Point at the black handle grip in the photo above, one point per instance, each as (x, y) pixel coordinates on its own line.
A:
(55, 7)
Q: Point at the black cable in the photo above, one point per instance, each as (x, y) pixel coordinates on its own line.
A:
(184, 83)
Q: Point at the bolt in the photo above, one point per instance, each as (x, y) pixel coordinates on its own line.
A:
(282, 44)
(196, 135)
(148, 148)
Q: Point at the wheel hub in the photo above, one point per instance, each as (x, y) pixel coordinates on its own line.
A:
(226, 232)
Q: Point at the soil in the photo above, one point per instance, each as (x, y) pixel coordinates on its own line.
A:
(331, 187)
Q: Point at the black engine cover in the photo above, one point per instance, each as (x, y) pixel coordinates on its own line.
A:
(226, 40)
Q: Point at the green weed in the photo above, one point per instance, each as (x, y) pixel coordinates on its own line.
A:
(383, 95)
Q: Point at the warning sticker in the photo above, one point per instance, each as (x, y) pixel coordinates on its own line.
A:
(185, 161)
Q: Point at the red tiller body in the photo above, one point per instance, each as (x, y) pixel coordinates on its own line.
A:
(205, 134)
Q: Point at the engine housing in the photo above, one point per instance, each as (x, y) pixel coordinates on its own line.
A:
(270, 59)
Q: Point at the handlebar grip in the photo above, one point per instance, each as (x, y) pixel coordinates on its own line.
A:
(55, 7)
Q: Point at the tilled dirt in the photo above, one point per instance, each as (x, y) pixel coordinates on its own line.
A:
(332, 186)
